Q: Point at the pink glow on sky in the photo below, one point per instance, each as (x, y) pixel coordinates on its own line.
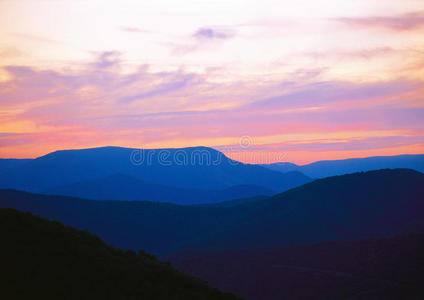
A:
(305, 81)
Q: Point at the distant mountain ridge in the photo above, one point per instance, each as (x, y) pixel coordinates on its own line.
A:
(326, 168)
(188, 168)
(123, 187)
(361, 205)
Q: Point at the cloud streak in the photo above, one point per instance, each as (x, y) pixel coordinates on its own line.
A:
(213, 33)
(45, 110)
(405, 22)
(204, 38)
(166, 87)
(133, 29)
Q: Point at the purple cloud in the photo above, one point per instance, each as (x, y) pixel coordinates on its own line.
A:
(164, 88)
(100, 101)
(321, 93)
(107, 59)
(211, 33)
(205, 38)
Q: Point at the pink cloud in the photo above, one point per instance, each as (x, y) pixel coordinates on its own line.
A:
(133, 29)
(404, 22)
(98, 105)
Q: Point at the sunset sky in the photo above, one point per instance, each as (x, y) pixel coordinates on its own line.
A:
(294, 81)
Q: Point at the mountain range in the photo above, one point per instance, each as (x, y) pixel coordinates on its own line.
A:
(196, 175)
(185, 176)
(123, 187)
(361, 205)
(325, 168)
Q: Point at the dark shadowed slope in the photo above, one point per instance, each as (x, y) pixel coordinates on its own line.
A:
(235, 202)
(390, 268)
(362, 205)
(123, 187)
(327, 168)
(197, 167)
(153, 226)
(41, 259)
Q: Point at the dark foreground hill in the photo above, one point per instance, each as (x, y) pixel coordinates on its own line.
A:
(363, 205)
(390, 268)
(42, 259)
(325, 168)
(191, 168)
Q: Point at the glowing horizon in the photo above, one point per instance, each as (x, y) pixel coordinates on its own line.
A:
(309, 80)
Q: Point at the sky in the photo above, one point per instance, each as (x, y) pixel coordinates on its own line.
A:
(262, 81)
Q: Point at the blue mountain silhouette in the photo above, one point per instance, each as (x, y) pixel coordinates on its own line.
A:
(325, 168)
(189, 168)
(361, 205)
(123, 187)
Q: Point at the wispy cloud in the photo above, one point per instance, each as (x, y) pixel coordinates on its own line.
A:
(35, 38)
(334, 92)
(366, 53)
(133, 29)
(165, 87)
(107, 59)
(203, 38)
(403, 22)
(10, 52)
(335, 144)
(99, 105)
(213, 33)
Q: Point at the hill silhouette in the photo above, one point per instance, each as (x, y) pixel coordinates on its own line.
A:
(190, 168)
(42, 259)
(123, 187)
(362, 205)
(385, 268)
(325, 168)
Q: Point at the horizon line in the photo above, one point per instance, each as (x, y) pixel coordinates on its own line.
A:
(213, 148)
